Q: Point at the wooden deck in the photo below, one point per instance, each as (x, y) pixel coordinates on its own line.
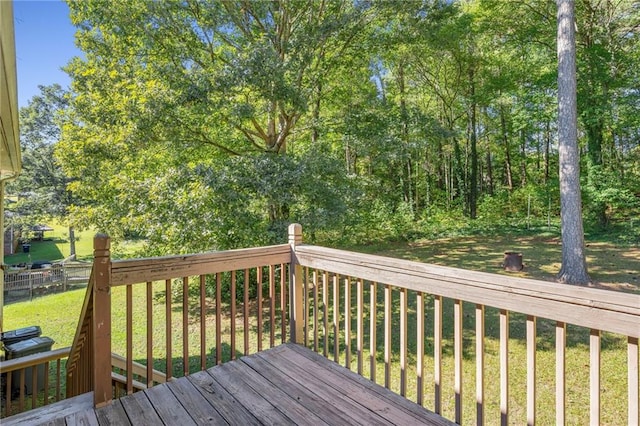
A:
(288, 384)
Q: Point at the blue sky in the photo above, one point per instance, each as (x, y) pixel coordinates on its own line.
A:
(44, 44)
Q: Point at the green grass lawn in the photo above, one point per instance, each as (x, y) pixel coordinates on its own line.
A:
(611, 266)
(55, 246)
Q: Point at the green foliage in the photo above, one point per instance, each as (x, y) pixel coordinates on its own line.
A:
(41, 189)
(199, 125)
(607, 197)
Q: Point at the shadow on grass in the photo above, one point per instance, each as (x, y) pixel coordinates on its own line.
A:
(610, 266)
(38, 250)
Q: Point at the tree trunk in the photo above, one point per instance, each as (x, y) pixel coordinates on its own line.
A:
(404, 126)
(523, 158)
(315, 133)
(489, 172)
(547, 148)
(574, 265)
(459, 174)
(507, 149)
(72, 242)
(473, 184)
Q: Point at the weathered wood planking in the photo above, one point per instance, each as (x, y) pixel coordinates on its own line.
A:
(588, 307)
(389, 405)
(258, 404)
(139, 410)
(285, 385)
(168, 407)
(292, 406)
(133, 271)
(48, 413)
(194, 403)
(82, 418)
(112, 414)
(221, 400)
(335, 407)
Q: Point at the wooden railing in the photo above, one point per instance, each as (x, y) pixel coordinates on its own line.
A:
(148, 351)
(79, 375)
(467, 345)
(58, 275)
(341, 291)
(39, 376)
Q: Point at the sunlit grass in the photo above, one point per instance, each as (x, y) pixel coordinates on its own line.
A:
(609, 264)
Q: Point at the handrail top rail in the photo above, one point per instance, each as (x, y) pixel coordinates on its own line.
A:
(33, 359)
(122, 263)
(596, 308)
(133, 271)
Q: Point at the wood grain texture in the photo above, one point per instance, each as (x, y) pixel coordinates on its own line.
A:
(589, 307)
(285, 385)
(221, 400)
(632, 381)
(132, 271)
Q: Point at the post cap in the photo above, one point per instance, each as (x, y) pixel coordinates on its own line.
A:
(295, 234)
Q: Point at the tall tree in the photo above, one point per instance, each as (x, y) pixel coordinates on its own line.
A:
(574, 265)
(201, 82)
(43, 181)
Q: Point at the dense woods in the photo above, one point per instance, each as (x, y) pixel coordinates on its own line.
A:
(213, 124)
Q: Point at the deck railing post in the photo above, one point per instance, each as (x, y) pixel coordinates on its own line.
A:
(296, 319)
(102, 392)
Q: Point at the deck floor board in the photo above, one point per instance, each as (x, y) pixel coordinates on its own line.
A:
(219, 398)
(194, 403)
(168, 407)
(332, 403)
(285, 385)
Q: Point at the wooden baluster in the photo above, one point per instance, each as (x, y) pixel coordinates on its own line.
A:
(336, 317)
(46, 383)
(504, 367)
(272, 305)
(168, 327)
(233, 315)
(437, 353)
(632, 381)
(316, 311)
(22, 385)
(101, 327)
(34, 386)
(149, 334)
(403, 341)
(325, 312)
(185, 326)
(457, 350)
(561, 341)
(420, 348)
(218, 318)
(259, 291)
(298, 289)
(594, 377)
(359, 323)
(387, 336)
(531, 370)
(307, 306)
(245, 311)
(373, 301)
(129, 328)
(283, 303)
(480, 364)
(203, 322)
(7, 407)
(347, 322)
(58, 383)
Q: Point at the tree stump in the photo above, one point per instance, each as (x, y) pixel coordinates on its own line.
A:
(512, 261)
